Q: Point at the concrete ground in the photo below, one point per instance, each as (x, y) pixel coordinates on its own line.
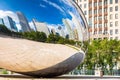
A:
(70, 77)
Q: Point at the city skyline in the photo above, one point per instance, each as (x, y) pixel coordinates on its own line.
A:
(40, 12)
(50, 13)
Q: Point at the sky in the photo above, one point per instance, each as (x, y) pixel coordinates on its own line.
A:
(50, 11)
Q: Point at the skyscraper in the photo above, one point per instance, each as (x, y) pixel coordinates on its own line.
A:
(10, 24)
(67, 24)
(23, 22)
(41, 27)
(1, 21)
(103, 18)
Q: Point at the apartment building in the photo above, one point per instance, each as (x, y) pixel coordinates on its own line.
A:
(103, 18)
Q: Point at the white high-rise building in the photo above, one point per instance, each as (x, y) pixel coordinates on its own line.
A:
(67, 24)
(10, 24)
(23, 22)
(103, 18)
(41, 27)
(1, 21)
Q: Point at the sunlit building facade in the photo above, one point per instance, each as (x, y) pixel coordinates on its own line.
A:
(1, 21)
(67, 24)
(9, 23)
(41, 27)
(103, 18)
(23, 22)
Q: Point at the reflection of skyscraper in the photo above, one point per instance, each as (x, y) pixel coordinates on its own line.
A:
(1, 21)
(41, 27)
(76, 34)
(61, 31)
(78, 26)
(53, 31)
(23, 22)
(9, 23)
(69, 28)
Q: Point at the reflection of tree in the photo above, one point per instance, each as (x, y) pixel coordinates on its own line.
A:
(4, 29)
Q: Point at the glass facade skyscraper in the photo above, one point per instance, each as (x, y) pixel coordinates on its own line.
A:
(23, 22)
(10, 24)
(1, 21)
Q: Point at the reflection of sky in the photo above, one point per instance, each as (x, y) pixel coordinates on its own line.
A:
(51, 11)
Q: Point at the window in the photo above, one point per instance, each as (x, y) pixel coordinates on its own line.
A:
(100, 11)
(111, 32)
(90, 5)
(100, 25)
(116, 1)
(111, 9)
(85, 12)
(116, 16)
(95, 18)
(95, 32)
(85, 5)
(100, 32)
(105, 17)
(111, 38)
(105, 2)
(95, 4)
(116, 23)
(116, 31)
(100, 3)
(105, 24)
(95, 11)
(105, 9)
(105, 32)
(100, 17)
(116, 38)
(90, 22)
(111, 24)
(111, 1)
(116, 8)
(95, 25)
(90, 12)
(80, 5)
(111, 16)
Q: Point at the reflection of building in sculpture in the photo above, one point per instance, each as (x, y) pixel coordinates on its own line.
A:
(41, 27)
(61, 31)
(78, 26)
(53, 31)
(76, 34)
(9, 23)
(69, 28)
(1, 21)
(23, 22)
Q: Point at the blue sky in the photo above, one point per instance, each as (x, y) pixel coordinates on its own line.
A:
(50, 11)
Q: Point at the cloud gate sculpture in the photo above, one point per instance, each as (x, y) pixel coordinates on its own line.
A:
(42, 38)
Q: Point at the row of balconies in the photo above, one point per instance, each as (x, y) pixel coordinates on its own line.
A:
(99, 14)
(100, 21)
(98, 29)
(99, 7)
(95, 1)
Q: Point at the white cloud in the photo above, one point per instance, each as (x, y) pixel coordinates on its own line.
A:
(41, 5)
(9, 13)
(54, 5)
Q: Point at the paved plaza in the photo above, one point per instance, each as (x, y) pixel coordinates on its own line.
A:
(70, 77)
